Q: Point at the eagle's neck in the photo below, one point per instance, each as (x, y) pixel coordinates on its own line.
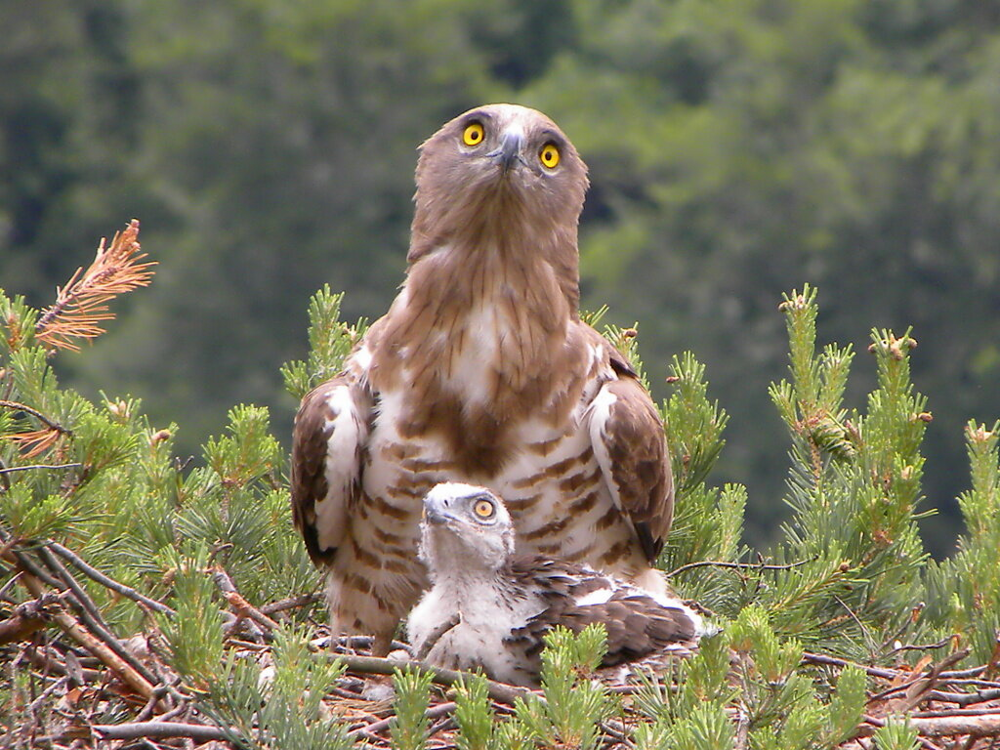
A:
(483, 335)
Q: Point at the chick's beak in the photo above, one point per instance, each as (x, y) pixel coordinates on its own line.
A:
(435, 512)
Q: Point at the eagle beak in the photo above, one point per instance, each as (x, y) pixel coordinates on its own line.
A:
(509, 152)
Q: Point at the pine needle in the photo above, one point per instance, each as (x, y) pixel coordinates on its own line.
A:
(82, 304)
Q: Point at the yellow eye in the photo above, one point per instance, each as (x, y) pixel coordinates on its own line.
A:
(549, 155)
(473, 134)
(483, 508)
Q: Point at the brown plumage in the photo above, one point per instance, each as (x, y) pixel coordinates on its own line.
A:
(482, 371)
(489, 609)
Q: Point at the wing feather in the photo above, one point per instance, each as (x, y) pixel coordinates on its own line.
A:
(330, 435)
(637, 623)
(631, 448)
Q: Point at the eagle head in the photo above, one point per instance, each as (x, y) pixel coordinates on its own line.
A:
(499, 165)
(464, 528)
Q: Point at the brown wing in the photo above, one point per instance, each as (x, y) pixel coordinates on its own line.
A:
(331, 431)
(574, 596)
(631, 447)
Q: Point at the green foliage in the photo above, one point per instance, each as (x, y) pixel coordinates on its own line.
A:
(897, 734)
(964, 591)
(574, 706)
(474, 714)
(279, 707)
(330, 341)
(708, 522)
(194, 634)
(409, 727)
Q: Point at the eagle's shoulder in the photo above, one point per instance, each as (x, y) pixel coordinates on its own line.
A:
(328, 441)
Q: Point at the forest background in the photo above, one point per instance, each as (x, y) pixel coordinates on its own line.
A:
(738, 148)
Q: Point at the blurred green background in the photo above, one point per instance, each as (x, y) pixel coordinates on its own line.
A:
(737, 148)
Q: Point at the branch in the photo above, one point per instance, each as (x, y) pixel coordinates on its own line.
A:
(12, 469)
(738, 566)
(17, 406)
(110, 583)
(442, 709)
(139, 729)
(29, 618)
(82, 305)
(498, 691)
(38, 440)
(68, 624)
(983, 725)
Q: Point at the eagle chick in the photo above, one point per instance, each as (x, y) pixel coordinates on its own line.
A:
(489, 609)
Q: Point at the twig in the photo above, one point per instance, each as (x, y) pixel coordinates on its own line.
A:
(965, 699)
(12, 469)
(498, 691)
(832, 661)
(244, 609)
(988, 711)
(92, 616)
(290, 603)
(923, 683)
(107, 582)
(871, 724)
(985, 725)
(435, 636)
(738, 566)
(81, 305)
(98, 648)
(51, 424)
(132, 731)
(434, 712)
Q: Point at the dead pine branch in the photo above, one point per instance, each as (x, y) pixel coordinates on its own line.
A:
(34, 442)
(81, 305)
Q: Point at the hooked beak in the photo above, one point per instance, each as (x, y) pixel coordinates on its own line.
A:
(435, 512)
(509, 152)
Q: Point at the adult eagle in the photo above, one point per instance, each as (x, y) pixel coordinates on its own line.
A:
(482, 372)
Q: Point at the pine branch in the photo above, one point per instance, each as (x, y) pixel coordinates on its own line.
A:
(82, 304)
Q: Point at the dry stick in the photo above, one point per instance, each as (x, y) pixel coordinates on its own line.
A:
(78, 633)
(139, 729)
(918, 686)
(93, 618)
(437, 711)
(986, 725)
(886, 674)
(290, 603)
(498, 691)
(107, 582)
(435, 636)
(988, 711)
(244, 610)
(965, 699)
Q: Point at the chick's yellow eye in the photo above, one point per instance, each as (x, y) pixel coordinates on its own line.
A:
(549, 155)
(483, 508)
(473, 134)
